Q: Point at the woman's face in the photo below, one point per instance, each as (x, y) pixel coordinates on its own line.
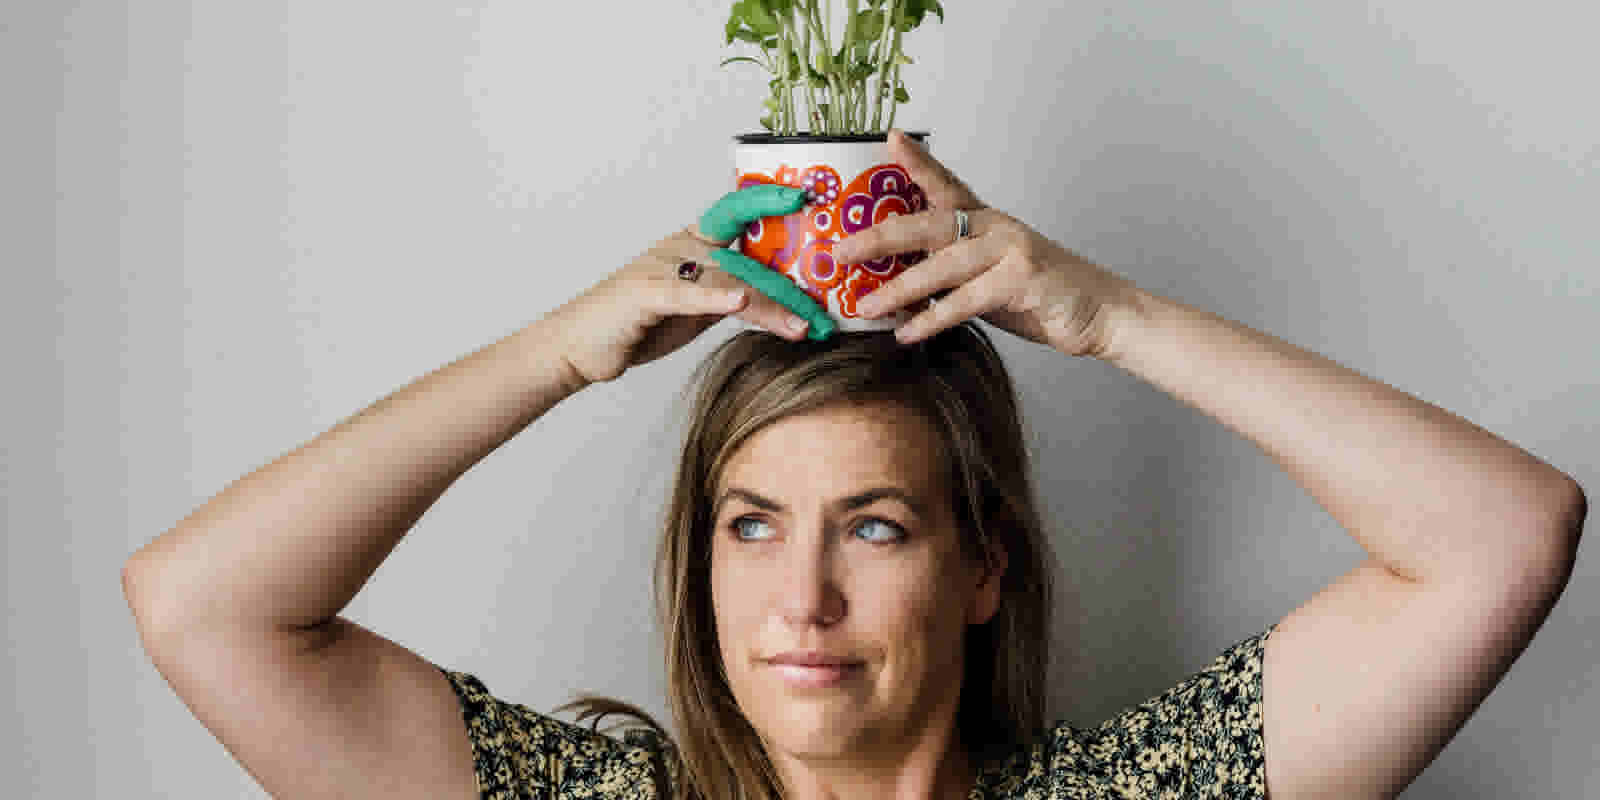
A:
(797, 566)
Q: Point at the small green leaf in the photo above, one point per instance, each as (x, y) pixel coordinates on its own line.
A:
(744, 34)
(901, 95)
(869, 26)
(760, 19)
(742, 58)
(767, 122)
(912, 16)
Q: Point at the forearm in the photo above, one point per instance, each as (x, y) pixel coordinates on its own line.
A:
(290, 544)
(1425, 492)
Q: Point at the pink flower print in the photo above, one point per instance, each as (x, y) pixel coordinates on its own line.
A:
(889, 180)
(821, 185)
(818, 268)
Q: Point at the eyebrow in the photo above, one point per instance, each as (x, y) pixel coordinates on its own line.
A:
(850, 503)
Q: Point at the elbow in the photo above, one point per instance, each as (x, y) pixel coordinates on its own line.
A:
(139, 588)
(133, 590)
(1578, 509)
(1564, 528)
(1573, 507)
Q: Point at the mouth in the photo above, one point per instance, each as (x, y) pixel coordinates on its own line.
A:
(817, 676)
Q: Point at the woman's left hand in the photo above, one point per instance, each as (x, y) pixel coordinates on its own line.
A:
(1005, 272)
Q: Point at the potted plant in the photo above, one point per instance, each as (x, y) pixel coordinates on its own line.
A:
(842, 161)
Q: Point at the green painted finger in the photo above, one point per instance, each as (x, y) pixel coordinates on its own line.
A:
(728, 218)
(782, 290)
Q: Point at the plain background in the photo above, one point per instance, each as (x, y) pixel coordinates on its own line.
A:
(226, 226)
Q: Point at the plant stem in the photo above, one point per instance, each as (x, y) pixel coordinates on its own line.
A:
(789, 78)
(828, 71)
(782, 74)
(835, 78)
(805, 69)
(852, 8)
(886, 61)
(894, 99)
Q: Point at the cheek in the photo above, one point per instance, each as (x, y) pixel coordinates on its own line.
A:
(736, 607)
(907, 610)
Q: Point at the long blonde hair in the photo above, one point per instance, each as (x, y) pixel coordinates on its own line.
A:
(958, 381)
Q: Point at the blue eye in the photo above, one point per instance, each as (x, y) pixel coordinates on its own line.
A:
(737, 530)
(896, 532)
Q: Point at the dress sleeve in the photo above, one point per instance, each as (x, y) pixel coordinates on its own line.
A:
(520, 753)
(1201, 738)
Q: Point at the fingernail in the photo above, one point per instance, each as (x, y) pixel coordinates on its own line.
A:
(797, 324)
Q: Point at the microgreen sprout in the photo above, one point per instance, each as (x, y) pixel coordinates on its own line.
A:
(836, 83)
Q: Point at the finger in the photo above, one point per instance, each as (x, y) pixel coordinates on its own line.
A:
(930, 230)
(947, 269)
(943, 188)
(761, 310)
(682, 298)
(972, 299)
(780, 289)
(725, 220)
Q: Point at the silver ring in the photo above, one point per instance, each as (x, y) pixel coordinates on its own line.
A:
(963, 226)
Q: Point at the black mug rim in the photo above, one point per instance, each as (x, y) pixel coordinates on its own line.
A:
(806, 138)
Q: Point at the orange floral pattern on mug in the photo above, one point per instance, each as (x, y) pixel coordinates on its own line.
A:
(800, 245)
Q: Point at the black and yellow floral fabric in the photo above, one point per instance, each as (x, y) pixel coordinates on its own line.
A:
(1198, 739)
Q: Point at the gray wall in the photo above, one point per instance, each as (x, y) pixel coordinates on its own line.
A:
(225, 226)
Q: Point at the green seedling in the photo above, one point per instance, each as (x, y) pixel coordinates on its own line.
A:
(798, 48)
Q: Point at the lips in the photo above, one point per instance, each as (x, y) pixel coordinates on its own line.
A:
(807, 671)
(811, 658)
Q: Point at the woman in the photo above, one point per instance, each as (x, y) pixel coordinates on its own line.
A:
(852, 582)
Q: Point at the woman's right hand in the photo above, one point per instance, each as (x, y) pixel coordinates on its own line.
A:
(645, 311)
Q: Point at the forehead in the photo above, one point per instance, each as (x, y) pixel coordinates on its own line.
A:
(839, 447)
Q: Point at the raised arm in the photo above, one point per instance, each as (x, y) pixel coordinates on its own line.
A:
(289, 545)
(1471, 540)
(238, 604)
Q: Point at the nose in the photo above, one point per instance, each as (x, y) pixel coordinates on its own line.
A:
(810, 593)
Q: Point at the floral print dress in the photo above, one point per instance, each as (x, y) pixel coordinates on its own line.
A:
(1201, 738)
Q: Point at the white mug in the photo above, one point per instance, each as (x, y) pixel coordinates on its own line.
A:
(851, 184)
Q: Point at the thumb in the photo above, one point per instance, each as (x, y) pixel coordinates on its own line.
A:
(943, 188)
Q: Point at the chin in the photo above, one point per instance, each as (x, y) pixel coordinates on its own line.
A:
(808, 739)
(814, 725)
